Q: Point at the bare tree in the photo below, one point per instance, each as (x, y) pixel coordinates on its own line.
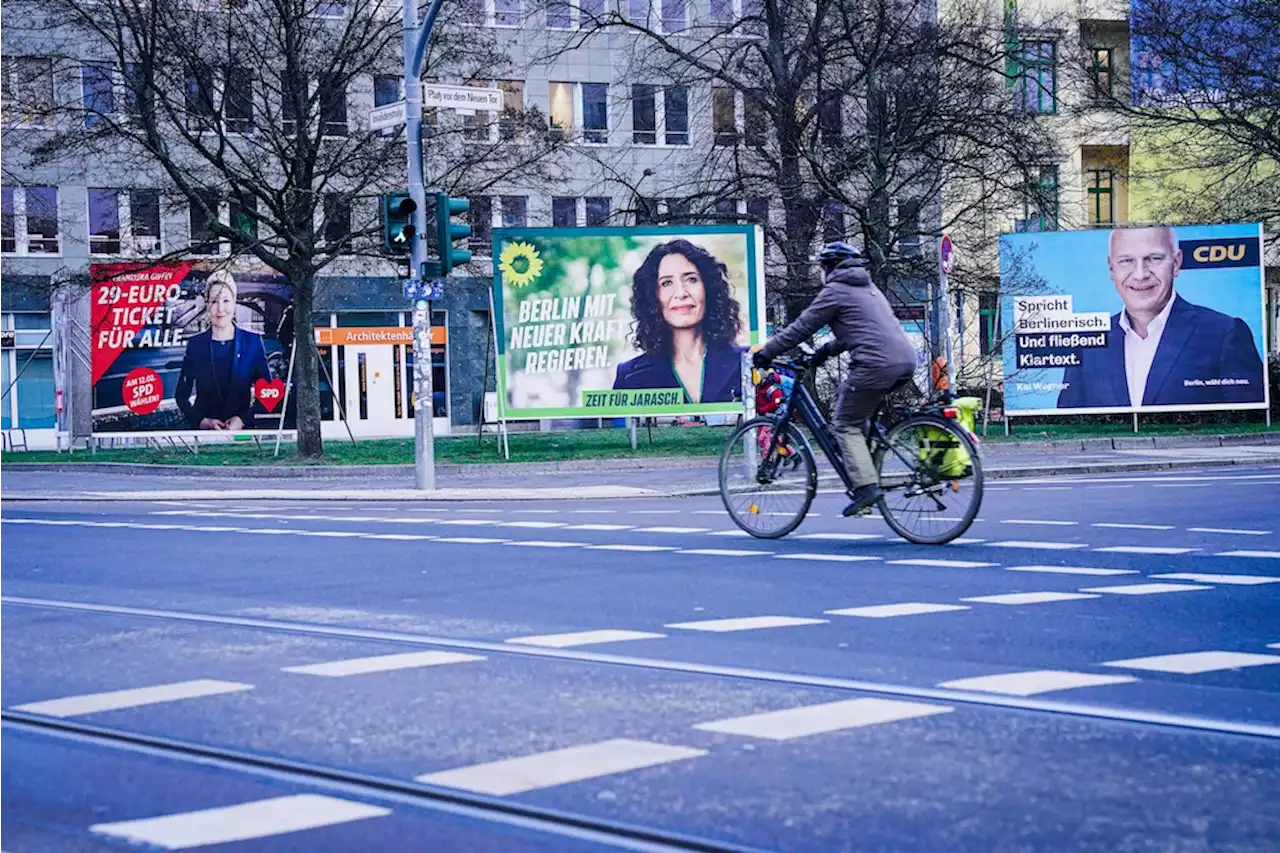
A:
(246, 105)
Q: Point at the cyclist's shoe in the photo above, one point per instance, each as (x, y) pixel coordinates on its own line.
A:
(864, 497)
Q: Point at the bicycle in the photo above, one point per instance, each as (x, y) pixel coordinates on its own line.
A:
(928, 464)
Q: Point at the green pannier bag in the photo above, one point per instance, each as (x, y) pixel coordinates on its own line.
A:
(941, 451)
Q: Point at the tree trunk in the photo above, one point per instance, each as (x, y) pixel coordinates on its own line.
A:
(306, 367)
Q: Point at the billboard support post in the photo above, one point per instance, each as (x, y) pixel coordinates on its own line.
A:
(284, 405)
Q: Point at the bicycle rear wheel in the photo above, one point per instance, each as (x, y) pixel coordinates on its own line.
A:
(932, 479)
(767, 486)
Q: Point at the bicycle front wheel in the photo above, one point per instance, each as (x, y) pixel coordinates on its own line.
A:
(932, 480)
(767, 485)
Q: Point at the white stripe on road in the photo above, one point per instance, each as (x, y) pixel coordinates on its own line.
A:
(539, 525)
(1038, 521)
(1072, 570)
(672, 529)
(403, 537)
(1125, 526)
(655, 512)
(382, 663)
(1144, 549)
(333, 534)
(599, 527)
(1235, 531)
(1015, 598)
(827, 558)
(1194, 663)
(724, 552)
(535, 511)
(745, 623)
(738, 533)
(840, 537)
(114, 700)
(546, 543)
(942, 564)
(1146, 588)
(1035, 682)
(469, 522)
(818, 719)
(639, 549)
(584, 638)
(593, 512)
(470, 540)
(884, 611)
(560, 766)
(260, 819)
(1236, 580)
(1048, 546)
(1264, 555)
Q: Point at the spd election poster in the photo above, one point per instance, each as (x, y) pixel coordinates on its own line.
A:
(595, 322)
(1133, 319)
(174, 348)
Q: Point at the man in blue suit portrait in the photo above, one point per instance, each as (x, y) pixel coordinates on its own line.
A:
(1162, 350)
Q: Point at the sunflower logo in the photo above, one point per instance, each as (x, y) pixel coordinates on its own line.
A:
(519, 263)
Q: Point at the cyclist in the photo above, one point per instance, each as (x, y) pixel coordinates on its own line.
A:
(882, 356)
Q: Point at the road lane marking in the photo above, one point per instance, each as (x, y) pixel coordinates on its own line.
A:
(1262, 555)
(1047, 546)
(639, 549)
(672, 529)
(535, 511)
(1118, 525)
(260, 819)
(655, 512)
(1034, 682)
(536, 525)
(1146, 588)
(584, 638)
(1194, 663)
(735, 532)
(840, 537)
(599, 527)
(381, 663)
(1072, 570)
(333, 534)
(560, 766)
(745, 623)
(1230, 580)
(1230, 531)
(1038, 521)
(827, 558)
(1016, 598)
(593, 512)
(469, 522)
(545, 543)
(404, 537)
(885, 611)
(942, 564)
(818, 719)
(1144, 549)
(115, 700)
(470, 540)
(724, 552)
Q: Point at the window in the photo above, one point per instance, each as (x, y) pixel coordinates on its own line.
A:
(745, 16)
(387, 89)
(34, 389)
(237, 105)
(726, 210)
(1100, 186)
(674, 15)
(568, 14)
(511, 123)
(909, 228)
(588, 101)
(98, 87)
(758, 210)
(123, 222)
(495, 13)
(644, 116)
(244, 217)
(481, 242)
(832, 221)
(1040, 202)
(203, 213)
(676, 115)
(724, 119)
(288, 114)
(646, 210)
(333, 109)
(42, 221)
(597, 212)
(324, 9)
(678, 211)
(830, 120)
(144, 220)
(638, 11)
(28, 90)
(337, 219)
(564, 212)
(1100, 70)
(476, 126)
(1038, 79)
(8, 225)
(104, 222)
(990, 330)
(515, 211)
(595, 112)
(754, 121)
(201, 114)
(560, 105)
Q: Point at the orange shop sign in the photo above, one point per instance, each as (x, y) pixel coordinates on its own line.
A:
(346, 336)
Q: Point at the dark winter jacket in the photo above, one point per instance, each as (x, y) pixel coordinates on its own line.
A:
(863, 323)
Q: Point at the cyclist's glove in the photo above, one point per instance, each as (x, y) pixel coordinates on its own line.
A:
(826, 351)
(759, 359)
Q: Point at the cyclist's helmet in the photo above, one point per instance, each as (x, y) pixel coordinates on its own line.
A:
(833, 254)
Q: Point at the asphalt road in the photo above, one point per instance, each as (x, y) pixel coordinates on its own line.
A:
(1091, 669)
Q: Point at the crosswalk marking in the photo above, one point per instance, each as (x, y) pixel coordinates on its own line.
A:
(533, 524)
(1237, 580)
(1146, 588)
(584, 638)
(819, 719)
(827, 558)
(599, 527)
(336, 534)
(114, 700)
(672, 529)
(1145, 549)
(1015, 598)
(745, 623)
(1229, 531)
(942, 564)
(1047, 546)
(1271, 555)
(1129, 526)
(1072, 570)
(1194, 663)
(560, 766)
(470, 540)
(260, 819)
(884, 611)
(736, 533)
(1034, 682)
(469, 522)
(382, 663)
(840, 537)
(1039, 521)
(403, 537)
(639, 549)
(724, 552)
(545, 543)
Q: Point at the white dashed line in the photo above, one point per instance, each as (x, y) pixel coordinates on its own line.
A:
(1016, 598)
(672, 529)
(114, 700)
(545, 543)
(1230, 531)
(724, 552)
(840, 537)
(1194, 663)
(599, 527)
(1034, 682)
(745, 623)
(536, 525)
(638, 549)
(1072, 570)
(885, 611)
(1047, 546)
(1039, 521)
(1236, 580)
(381, 663)
(827, 558)
(1117, 525)
(1146, 588)
(942, 564)
(819, 719)
(470, 540)
(584, 638)
(1262, 555)
(1144, 549)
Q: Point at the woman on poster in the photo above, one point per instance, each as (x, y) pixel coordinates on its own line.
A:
(221, 365)
(687, 324)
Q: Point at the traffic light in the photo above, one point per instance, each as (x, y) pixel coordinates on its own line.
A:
(447, 232)
(398, 230)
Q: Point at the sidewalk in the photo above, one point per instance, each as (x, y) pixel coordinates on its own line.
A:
(579, 480)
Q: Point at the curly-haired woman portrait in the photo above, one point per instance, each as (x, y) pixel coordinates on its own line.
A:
(687, 323)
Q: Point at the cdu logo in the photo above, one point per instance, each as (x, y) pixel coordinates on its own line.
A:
(1233, 252)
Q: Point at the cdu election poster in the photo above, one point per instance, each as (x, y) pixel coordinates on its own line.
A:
(1133, 319)
(605, 322)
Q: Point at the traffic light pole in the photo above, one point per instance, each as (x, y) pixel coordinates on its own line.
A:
(415, 49)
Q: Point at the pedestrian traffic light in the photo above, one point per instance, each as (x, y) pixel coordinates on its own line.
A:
(398, 230)
(447, 232)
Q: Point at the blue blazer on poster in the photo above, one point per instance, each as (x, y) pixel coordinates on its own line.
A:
(721, 381)
(248, 365)
(1197, 343)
